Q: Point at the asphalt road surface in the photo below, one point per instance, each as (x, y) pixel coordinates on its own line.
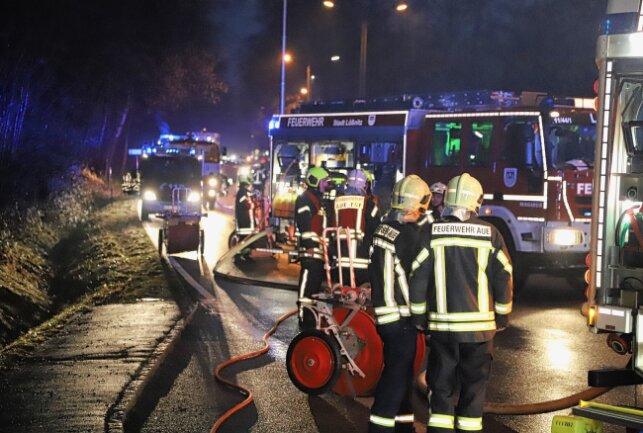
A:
(544, 355)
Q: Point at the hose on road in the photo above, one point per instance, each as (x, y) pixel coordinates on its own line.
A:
(249, 398)
(528, 408)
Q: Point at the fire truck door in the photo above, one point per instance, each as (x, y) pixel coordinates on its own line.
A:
(519, 163)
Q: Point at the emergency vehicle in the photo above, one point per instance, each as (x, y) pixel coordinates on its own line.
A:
(615, 292)
(532, 152)
(190, 161)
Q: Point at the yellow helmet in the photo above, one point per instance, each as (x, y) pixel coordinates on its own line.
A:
(315, 176)
(464, 191)
(411, 193)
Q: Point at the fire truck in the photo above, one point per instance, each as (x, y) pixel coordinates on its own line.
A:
(615, 291)
(532, 152)
(190, 160)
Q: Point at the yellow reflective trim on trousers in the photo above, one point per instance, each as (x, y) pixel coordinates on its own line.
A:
(405, 418)
(380, 420)
(462, 327)
(418, 308)
(504, 260)
(462, 317)
(442, 421)
(440, 283)
(461, 242)
(469, 424)
(483, 282)
(503, 308)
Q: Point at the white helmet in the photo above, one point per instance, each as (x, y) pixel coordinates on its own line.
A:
(464, 191)
(357, 180)
(438, 188)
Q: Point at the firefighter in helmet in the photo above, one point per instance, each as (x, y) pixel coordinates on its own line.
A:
(356, 211)
(465, 273)
(244, 209)
(438, 190)
(395, 246)
(311, 220)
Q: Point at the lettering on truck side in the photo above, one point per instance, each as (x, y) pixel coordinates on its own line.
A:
(305, 122)
(584, 189)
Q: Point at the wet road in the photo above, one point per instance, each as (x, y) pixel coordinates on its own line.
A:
(544, 355)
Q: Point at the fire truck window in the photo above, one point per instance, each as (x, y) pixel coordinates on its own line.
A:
(384, 161)
(519, 145)
(480, 144)
(631, 101)
(332, 154)
(446, 144)
(289, 161)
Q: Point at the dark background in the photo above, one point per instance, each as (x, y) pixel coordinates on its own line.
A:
(83, 80)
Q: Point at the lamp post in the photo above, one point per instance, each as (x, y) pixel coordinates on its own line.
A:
(401, 6)
(283, 59)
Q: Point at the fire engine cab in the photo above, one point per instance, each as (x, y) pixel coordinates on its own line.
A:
(533, 154)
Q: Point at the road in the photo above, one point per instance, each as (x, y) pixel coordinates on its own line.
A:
(544, 355)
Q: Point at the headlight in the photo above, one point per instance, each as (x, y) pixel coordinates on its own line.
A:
(149, 195)
(212, 182)
(194, 197)
(211, 193)
(565, 237)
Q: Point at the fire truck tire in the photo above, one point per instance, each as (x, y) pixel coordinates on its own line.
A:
(313, 362)
(160, 244)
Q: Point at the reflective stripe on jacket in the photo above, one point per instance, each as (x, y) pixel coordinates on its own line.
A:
(310, 219)
(395, 246)
(466, 275)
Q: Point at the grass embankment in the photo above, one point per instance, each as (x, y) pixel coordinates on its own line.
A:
(82, 250)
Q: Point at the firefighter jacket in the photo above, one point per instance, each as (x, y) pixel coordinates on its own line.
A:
(461, 279)
(244, 211)
(360, 216)
(310, 218)
(395, 246)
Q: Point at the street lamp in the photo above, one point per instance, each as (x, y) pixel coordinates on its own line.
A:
(283, 59)
(401, 6)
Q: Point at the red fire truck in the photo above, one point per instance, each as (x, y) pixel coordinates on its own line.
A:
(533, 154)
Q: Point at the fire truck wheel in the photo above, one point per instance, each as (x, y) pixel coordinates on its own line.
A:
(313, 362)
(233, 239)
(160, 245)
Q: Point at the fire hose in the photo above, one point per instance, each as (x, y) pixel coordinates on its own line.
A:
(249, 398)
(489, 408)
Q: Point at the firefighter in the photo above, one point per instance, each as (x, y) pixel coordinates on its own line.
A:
(462, 284)
(244, 209)
(310, 218)
(437, 199)
(395, 246)
(357, 211)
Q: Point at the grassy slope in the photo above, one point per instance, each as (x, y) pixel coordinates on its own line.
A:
(107, 258)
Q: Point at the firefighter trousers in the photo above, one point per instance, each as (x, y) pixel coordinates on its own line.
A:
(454, 365)
(310, 279)
(392, 411)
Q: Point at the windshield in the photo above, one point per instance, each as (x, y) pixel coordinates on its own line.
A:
(571, 145)
(174, 170)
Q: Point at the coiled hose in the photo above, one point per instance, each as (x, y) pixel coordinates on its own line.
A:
(249, 398)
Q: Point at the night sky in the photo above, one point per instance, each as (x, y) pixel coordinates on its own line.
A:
(437, 45)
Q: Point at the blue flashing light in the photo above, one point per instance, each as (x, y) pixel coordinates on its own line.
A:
(619, 23)
(274, 123)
